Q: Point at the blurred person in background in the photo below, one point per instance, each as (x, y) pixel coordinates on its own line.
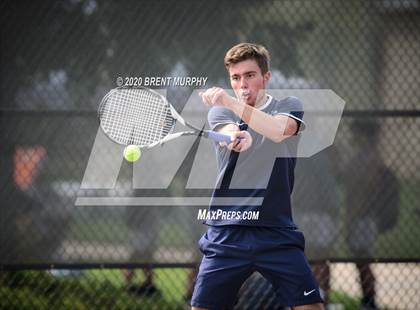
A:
(371, 202)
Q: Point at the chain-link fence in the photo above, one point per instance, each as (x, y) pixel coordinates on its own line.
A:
(356, 201)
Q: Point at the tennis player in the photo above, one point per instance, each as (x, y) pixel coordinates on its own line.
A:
(234, 247)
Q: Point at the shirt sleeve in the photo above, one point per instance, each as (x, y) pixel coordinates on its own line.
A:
(219, 116)
(292, 107)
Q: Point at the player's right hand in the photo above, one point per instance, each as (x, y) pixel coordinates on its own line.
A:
(216, 96)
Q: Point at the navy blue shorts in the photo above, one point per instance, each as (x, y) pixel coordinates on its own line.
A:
(233, 253)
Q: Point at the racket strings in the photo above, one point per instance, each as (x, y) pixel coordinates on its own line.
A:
(136, 116)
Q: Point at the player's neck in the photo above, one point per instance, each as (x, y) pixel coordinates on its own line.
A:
(261, 101)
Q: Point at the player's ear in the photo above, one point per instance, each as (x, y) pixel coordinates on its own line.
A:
(267, 76)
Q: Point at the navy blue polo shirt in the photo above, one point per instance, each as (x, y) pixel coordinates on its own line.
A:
(259, 179)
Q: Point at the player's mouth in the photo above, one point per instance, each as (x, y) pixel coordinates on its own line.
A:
(245, 95)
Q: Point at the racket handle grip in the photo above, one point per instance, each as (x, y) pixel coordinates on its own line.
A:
(219, 137)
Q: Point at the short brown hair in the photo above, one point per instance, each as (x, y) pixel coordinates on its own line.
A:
(245, 51)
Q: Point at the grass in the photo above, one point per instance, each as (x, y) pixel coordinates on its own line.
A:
(95, 289)
(171, 282)
(348, 302)
(103, 289)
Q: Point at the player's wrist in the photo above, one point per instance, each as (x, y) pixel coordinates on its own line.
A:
(229, 102)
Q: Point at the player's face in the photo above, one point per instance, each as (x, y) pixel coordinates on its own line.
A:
(248, 82)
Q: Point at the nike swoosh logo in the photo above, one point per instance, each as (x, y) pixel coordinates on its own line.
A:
(305, 293)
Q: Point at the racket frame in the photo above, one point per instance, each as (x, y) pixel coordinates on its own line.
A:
(175, 115)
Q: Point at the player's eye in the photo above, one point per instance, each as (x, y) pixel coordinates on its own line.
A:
(235, 78)
(250, 75)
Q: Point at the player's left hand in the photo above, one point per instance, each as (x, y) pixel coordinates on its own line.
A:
(216, 96)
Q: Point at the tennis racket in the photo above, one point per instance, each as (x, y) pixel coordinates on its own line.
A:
(143, 117)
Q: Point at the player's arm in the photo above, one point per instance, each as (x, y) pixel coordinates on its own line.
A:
(276, 128)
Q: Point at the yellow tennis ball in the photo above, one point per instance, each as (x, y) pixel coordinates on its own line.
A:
(132, 153)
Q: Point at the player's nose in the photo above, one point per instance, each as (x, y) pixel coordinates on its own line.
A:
(244, 83)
